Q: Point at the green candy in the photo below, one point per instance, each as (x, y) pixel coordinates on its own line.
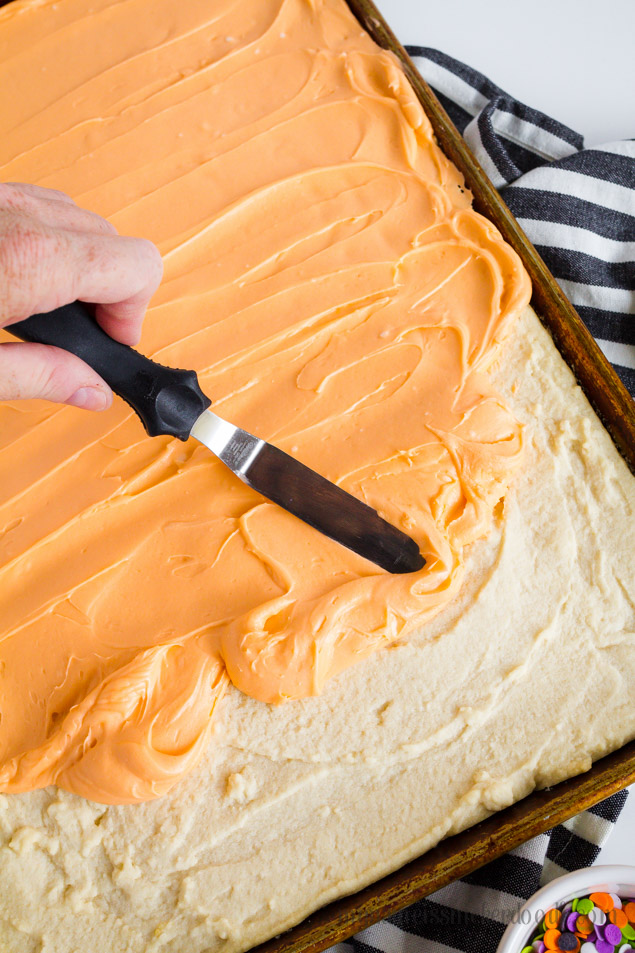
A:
(585, 906)
(628, 932)
(528, 949)
(574, 904)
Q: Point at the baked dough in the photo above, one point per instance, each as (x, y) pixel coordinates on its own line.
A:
(327, 278)
(523, 679)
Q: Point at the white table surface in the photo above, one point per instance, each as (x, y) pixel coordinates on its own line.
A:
(573, 59)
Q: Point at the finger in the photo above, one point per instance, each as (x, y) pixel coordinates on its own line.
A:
(52, 212)
(123, 321)
(123, 286)
(36, 370)
(43, 268)
(38, 191)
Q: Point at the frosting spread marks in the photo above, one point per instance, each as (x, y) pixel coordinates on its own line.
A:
(328, 280)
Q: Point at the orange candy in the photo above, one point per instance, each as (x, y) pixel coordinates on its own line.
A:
(629, 910)
(618, 917)
(550, 939)
(552, 918)
(602, 900)
(583, 925)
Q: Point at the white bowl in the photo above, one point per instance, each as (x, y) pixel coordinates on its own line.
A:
(610, 879)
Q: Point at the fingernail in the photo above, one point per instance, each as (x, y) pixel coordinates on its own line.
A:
(89, 398)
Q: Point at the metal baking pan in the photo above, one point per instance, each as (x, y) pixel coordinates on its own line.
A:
(603, 388)
(457, 856)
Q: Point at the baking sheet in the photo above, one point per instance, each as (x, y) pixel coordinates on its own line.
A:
(603, 388)
(457, 856)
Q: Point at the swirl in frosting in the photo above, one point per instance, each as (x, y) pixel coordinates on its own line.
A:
(329, 281)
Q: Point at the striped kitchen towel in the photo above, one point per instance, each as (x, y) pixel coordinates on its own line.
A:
(577, 206)
(471, 914)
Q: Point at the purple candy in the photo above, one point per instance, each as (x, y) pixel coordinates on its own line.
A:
(599, 931)
(567, 942)
(612, 934)
(603, 947)
(542, 947)
(572, 919)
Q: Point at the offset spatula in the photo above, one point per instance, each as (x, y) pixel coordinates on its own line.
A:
(170, 401)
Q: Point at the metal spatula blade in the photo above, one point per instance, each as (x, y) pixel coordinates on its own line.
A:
(170, 401)
(309, 496)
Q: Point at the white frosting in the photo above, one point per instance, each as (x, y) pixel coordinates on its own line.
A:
(524, 679)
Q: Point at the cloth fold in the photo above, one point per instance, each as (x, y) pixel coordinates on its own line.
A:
(577, 206)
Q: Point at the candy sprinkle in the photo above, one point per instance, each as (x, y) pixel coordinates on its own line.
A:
(552, 918)
(603, 946)
(597, 916)
(599, 923)
(583, 924)
(612, 934)
(568, 942)
(551, 939)
(602, 900)
(585, 905)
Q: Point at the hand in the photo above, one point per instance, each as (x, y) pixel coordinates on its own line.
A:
(51, 253)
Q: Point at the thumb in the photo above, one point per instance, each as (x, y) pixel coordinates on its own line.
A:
(37, 370)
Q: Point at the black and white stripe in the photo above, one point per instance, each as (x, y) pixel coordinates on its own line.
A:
(576, 205)
(471, 914)
(578, 208)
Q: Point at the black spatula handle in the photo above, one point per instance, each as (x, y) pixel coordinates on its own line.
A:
(168, 401)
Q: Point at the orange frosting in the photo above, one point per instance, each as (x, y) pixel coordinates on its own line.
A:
(326, 277)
